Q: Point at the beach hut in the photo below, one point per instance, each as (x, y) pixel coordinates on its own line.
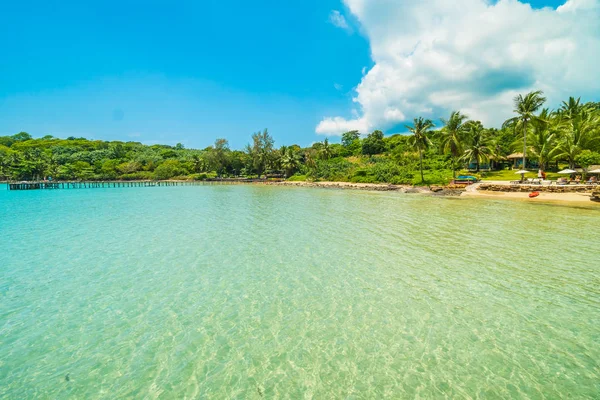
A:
(517, 161)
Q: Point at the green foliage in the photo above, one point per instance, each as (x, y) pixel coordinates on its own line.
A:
(137, 176)
(477, 147)
(337, 169)
(297, 178)
(587, 158)
(21, 137)
(373, 144)
(261, 152)
(569, 136)
(351, 144)
(525, 108)
(420, 139)
(202, 176)
(169, 169)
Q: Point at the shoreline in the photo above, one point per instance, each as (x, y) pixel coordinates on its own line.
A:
(574, 199)
(553, 198)
(470, 192)
(378, 187)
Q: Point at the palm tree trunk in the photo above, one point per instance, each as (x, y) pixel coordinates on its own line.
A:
(524, 144)
(421, 164)
(454, 167)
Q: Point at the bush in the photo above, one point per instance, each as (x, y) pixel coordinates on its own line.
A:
(336, 169)
(137, 176)
(587, 158)
(297, 178)
(382, 170)
(199, 177)
(436, 177)
(168, 170)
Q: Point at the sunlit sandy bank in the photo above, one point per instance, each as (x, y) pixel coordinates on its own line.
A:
(574, 198)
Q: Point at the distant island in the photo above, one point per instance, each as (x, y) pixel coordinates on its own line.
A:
(535, 138)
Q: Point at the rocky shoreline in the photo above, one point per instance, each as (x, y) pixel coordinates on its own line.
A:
(537, 188)
(430, 190)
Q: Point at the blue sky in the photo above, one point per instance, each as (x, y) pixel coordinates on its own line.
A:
(188, 71)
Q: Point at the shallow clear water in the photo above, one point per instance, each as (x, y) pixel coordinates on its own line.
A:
(251, 292)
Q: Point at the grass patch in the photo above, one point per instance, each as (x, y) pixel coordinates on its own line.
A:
(509, 175)
(297, 178)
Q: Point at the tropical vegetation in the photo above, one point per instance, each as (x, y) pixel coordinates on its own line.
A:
(568, 136)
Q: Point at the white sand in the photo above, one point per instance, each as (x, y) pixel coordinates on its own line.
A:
(542, 198)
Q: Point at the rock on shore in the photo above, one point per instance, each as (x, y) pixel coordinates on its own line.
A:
(433, 190)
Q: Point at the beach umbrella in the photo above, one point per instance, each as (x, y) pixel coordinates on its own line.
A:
(522, 172)
(596, 171)
(567, 171)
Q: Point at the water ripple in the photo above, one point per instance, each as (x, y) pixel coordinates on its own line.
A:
(258, 292)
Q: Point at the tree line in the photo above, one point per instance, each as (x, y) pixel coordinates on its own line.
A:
(568, 135)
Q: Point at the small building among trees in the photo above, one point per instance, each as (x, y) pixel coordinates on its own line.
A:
(517, 161)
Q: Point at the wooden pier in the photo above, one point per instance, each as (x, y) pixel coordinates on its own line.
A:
(49, 185)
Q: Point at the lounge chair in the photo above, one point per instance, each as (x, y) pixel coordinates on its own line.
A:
(562, 181)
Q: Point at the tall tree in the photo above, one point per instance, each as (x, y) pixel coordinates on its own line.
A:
(21, 136)
(261, 151)
(571, 109)
(580, 131)
(325, 149)
(525, 108)
(290, 161)
(373, 143)
(477, 148)
(220, 155)
(349, 137)
(452, 137)
(542, 138)
(420, 138)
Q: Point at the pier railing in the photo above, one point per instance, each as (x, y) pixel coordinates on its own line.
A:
(48, 185)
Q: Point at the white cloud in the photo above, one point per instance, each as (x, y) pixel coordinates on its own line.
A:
(578, 5)
(435, 56)
(337, 19)
(338, 125)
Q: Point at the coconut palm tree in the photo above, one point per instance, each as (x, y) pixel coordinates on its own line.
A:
(477, 148)
(290, 161)
(325, 150)
(525, 107)
(542, 138)
(420, 138)
(578, 132)
(452, 137)
(310, 160)
(570, 109)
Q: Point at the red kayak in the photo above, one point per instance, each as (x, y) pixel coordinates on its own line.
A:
(534, 194)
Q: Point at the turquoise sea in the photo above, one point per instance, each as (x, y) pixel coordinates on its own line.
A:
(250, 292)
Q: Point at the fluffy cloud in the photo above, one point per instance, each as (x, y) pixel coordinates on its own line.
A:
(337, 19)
(434, 56)
(338, 125)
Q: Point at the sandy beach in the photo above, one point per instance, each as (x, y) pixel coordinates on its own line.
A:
(379, 187)
(346, 185)
(560, 198)
(563, 198)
